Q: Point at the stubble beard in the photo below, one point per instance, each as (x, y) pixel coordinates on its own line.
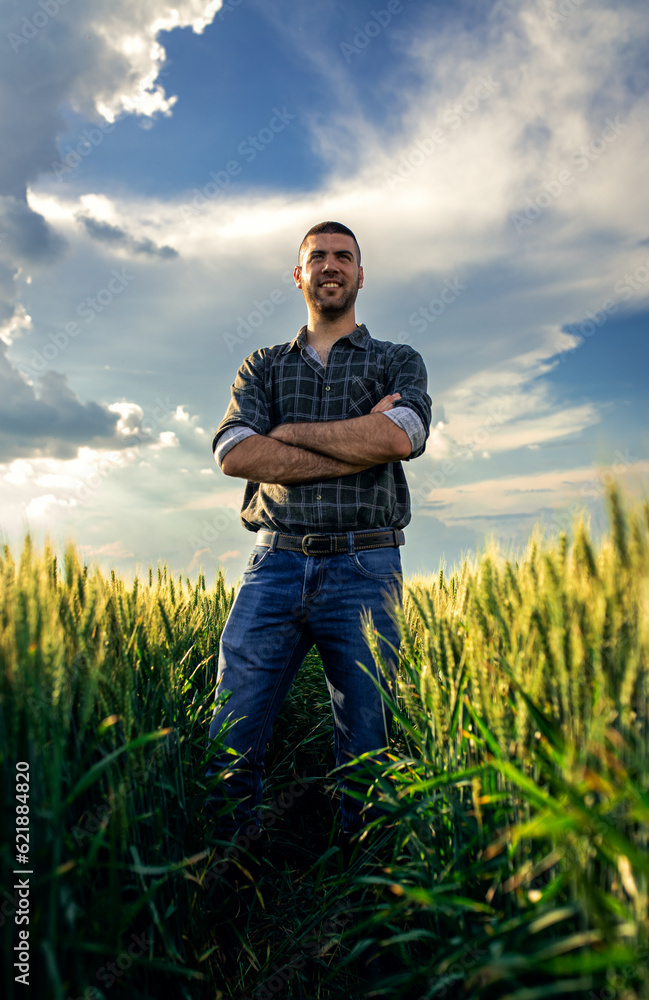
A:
(328, 308)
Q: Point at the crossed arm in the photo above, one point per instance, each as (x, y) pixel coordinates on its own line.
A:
(308, 452)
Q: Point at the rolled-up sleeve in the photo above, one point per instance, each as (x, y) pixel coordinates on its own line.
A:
(248, 409)
(410, 422)
(228, 439)
(406, 374)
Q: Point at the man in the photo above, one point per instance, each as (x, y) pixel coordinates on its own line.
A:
(318, 427)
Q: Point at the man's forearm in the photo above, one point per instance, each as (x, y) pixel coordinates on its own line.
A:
(262, 459)
(372, 438)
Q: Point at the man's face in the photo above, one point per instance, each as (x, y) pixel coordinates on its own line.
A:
(328, 274)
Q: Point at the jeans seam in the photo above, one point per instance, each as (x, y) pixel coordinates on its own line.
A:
(271, 701)
(309, 597)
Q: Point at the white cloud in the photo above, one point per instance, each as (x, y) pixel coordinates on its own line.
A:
(18, 323)
(57, 481)
(491, 351)
(197, 561)
(155, 508)
(40, 506)
(530, 493)
(115, 550)
(166, 439)
(508, 407)
(225, 499)
(19, 472)
(105, 63)
(128, 53)
(130, 420)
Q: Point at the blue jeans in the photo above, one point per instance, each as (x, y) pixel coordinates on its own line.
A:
(288, 602)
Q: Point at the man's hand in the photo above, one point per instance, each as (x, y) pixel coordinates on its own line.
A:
(386, 403)
(368, 439)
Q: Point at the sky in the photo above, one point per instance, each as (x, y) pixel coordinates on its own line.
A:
(160, 165)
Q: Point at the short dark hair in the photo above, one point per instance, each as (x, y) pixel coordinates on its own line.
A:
(329, 227)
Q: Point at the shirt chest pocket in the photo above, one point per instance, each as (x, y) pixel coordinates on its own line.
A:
(364, 393)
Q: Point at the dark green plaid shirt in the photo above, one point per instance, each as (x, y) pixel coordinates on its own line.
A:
(284, 384)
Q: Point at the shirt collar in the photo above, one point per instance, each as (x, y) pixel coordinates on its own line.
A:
(360, 337)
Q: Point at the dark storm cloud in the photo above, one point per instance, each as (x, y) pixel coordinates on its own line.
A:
(55, 56)
(28, 238)
(54, 423)
(103, 232)
(69, 55)
(7, 275)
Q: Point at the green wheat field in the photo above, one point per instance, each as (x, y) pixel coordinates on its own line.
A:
(513, 837)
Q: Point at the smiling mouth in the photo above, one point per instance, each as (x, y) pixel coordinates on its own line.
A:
(330, 284)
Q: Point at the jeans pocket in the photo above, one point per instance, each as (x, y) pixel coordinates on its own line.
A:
(258, 557)
(378, 564)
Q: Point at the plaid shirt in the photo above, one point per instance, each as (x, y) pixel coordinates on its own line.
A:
(284, 384)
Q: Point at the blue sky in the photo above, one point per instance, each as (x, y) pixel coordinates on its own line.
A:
(496, 149)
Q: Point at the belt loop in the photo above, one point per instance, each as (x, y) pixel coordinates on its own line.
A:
(395, 533)
(350, 543)
(273, 544)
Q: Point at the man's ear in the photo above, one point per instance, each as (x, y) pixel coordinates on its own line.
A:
(360, 276)
(297, 274)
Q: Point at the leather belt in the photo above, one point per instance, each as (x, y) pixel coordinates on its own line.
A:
(330, 545)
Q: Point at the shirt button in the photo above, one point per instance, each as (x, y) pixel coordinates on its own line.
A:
(318, 497)
(327, 387)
